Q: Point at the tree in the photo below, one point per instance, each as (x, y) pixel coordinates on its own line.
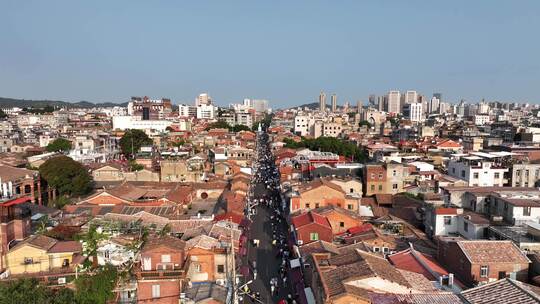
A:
(238, 128)
(91, 241)
(132, 141)
(59, 145)
(2, 114)
(66, 176)
(365, 123)
(133, 166)
(97, 288)
(220, 124)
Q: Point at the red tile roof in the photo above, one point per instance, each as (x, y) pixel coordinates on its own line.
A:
(308, 218)
(414, 261)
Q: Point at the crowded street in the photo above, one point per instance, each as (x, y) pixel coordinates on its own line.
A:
(266, 261)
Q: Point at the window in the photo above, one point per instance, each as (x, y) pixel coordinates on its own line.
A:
(454, 170)
(314, 236)
(394, 173)
(107, 254)
(156, 292)
(351, 190)
(395, 186)
(526, 211)
(380, 175)
(462, 173)
(372, 175)
(380, 187)
(307, 205)
(28, 260)
(465, 226)
(165, 258)
(475, 175)
(349, 206)
(198, 268)
(220, 268)
(484, 271)
(518, 173)
(341, 224)
(447, 220)
(316, 205)
(497, 175)
(372, 187)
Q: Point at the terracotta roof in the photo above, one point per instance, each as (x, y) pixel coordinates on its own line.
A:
(66, 246)
(446, 211)
(308, 218)
(383, 199)
(505, 291)
(425, 298)
(487, 251)
(417, 262)
(39, 241)
(335, 271)
(318, 183)
(167, 241)
(8, 173)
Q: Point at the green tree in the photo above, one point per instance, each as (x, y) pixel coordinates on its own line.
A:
(91, 240)
(59, 145)
(66, 176)
(365, 123)
(25, 290)
(220, 124)
(238, 128)
(132, 141)
(2, 114)
(97, 288)
(134, 166)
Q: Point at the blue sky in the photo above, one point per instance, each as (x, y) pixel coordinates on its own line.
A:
(284, 51)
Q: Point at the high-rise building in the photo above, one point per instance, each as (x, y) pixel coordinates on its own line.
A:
(260, 105)
(393, 102)
(203, 99)
(438, 96)
(433, 105)
(381, 103)
(358, 106)
(372, 100)
(149, 109)
(413, 111)
(333, 101)
(411, 97)
(322, 102)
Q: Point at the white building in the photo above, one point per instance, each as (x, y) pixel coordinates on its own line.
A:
(411, 97)
(393, 101)
(302, 124)
(205, 111)
(413, 111)
(187, 111)
(478, 169)
(481, 119)
(203, 99)
(245, 119)
(433, 105)
(132, 122)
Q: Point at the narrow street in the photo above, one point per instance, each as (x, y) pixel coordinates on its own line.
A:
(268, 234)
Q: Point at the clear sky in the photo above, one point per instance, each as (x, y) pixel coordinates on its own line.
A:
(284, 51)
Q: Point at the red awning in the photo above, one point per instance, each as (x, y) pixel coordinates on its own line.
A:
(16, 201)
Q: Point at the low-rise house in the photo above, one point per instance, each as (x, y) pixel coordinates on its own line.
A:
(161, 271)
(482, 261)
(340, 219)
(506, 291)
(42, 254)
(206, 259)
(209, 293)
(321, 193)
(310, 227)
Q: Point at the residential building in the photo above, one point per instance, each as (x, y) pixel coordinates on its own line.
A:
(479, 169)
(477, 262)
(322, 102)
(413, 112)
(311, 227)
(333, 101)
(525, 175)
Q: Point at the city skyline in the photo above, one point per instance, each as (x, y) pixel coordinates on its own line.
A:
(110, 52)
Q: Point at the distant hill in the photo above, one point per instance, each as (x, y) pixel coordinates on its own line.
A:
(27, 103)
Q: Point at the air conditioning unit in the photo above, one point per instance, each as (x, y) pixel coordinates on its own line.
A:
(300, 242)
(62, 280)
(221, 282)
